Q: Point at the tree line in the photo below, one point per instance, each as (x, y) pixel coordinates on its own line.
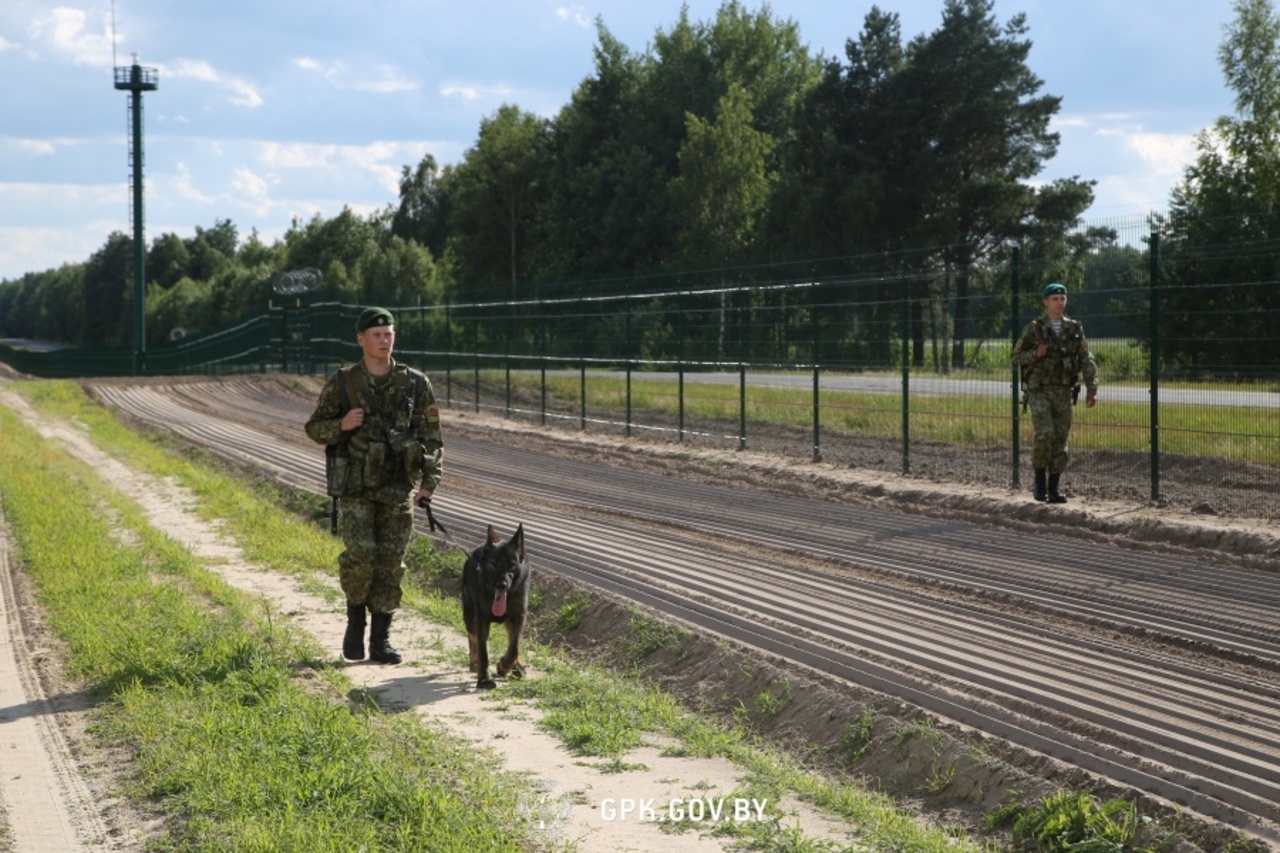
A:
(727, 146)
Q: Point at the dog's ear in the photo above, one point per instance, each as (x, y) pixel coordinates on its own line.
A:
(517, 541)
(493, 536)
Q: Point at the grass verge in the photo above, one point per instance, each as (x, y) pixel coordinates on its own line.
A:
(236, 736)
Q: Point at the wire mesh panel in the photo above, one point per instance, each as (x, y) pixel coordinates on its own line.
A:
(895, 363)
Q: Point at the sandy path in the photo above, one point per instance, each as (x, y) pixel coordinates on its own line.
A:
(50, 807)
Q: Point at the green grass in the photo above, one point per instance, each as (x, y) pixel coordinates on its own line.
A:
(1228, 432)
(597, 713)
(235, 735)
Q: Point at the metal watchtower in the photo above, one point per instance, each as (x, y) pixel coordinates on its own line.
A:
(135, 79)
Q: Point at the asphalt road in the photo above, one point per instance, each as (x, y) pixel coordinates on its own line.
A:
(958, 387)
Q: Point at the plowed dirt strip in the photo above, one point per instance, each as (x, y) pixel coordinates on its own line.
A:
(1126, 663)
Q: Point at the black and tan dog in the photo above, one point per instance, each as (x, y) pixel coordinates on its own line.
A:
(495, 588)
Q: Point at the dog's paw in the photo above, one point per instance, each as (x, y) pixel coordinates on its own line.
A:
(486, 684)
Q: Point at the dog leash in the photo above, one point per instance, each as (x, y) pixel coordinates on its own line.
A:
(432, 523)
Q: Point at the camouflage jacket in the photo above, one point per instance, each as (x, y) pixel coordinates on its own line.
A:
(398, 447)
(1067, 362)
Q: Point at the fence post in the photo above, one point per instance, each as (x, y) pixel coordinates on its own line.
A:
(284, 335)
(817, 400)
(542, 361)
(1015, 371)
(680, 376)
(582, 379)
(1154, 368)
(506, 356)
(906, 373)
(448, 355)
(627, 358)
(742, 369)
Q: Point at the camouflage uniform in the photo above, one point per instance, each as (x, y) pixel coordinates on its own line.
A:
(396, 450)
(1048, 382)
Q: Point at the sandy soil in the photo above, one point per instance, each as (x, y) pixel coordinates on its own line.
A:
(56, 790)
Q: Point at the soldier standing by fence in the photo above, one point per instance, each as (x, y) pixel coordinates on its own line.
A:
(380, 419)
(1054, 356)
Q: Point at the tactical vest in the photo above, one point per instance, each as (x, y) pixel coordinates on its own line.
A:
(1061, 365)
(386, 445)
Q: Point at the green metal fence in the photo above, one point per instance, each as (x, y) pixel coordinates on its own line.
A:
(890, 364)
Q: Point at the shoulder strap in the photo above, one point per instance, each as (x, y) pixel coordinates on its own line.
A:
(347, 388)
(409, 379)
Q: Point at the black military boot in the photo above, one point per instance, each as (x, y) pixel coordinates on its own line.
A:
(353, 640)
(379, 649)
(1055, 496)
(1041, 493)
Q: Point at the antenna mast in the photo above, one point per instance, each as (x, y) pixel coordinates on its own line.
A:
(135, 79)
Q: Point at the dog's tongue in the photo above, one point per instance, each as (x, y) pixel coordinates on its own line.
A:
(500, 602)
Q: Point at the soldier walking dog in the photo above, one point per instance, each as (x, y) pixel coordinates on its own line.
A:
(495, 588)
(381, 427)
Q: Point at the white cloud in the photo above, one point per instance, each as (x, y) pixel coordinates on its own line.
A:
(1166, 154)
(473, 92)
(1111, 138)
(180, 182)
(194, 69)
(17, 196)
(5, 45)
(574, 14)
(37, 147)
(35, 233)
(381, 79)
(249, 184)
(380, 161)
(296, 155)
(387, 80)
(64, 31)
(38, 249)
(252, 191)
(1063, 122)
(242, 92)
(1129, 194)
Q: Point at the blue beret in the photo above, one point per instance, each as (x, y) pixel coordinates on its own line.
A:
(374, 317)
(1051, 289)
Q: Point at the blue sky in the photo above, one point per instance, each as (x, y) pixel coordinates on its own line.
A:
(272, 110)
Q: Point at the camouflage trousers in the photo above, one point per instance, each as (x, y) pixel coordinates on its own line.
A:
(1051, 416)
(376, 535)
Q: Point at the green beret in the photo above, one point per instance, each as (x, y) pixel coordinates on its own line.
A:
(1050, 289)
(374, 317)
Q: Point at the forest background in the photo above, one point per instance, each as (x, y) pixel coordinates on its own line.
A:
(727, 147)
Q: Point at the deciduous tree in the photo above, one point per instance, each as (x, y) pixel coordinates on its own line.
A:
(1220, 306)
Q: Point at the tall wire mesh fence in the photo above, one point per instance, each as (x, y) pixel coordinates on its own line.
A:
(890, 364)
